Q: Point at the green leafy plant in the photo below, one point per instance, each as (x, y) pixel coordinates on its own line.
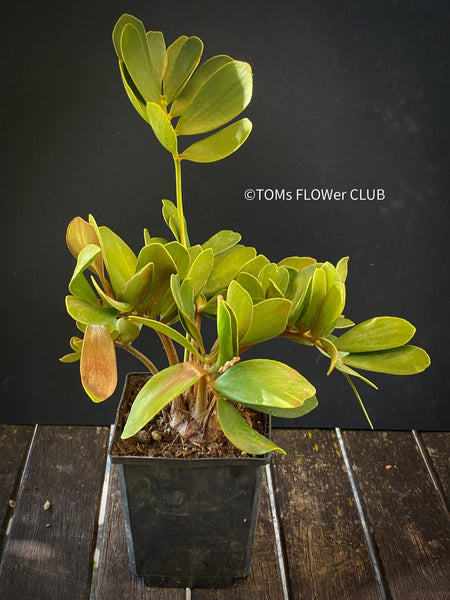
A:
(171, 286)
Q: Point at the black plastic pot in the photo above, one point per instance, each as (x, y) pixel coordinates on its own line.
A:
(190, 522)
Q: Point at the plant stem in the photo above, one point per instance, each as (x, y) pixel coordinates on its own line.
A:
(179, 193)
(146, 361)
(169, 347)
(361, 403)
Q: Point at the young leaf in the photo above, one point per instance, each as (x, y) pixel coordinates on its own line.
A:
(240, 433)
(119, 259)
(98, 366)
(161, 389)
(198, 78)
(226, 334)
(380, 333)
(221, 98)
(318, 290)
(226, 265)
(180, 257)
(136, 56)
(122, 307)
(405, 360)
(222, 240)
(297, 262)
(162, 127)
(342, 268)
(269, 320)
(241, 303)
(251, 284)
(219, 145)
(180, 65)
(200, 270)
(158, 54)
(255, 265)
(266, 383)
(330, 309)
(132, 92)
(136, 289)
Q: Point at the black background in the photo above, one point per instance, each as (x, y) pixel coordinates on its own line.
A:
(346, 95)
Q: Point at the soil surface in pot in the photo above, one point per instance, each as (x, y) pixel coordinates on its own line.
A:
(158, 439)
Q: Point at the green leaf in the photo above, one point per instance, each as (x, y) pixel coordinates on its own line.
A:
(170, 215)
(132, 92)
(70, 358)
(343, 323)
(221, 98)
(128, 331)
(241, 303)
(299, 292)
(174, 335)
(226, 265)
(240, 433)
(180, 257)
(226, 334)
(122, 307)
(98, 367)
(278, 275)
(158, 54)
(310, 312)
(255, 265)
(290, 413)
(182, 58)
(119, 27)
(342, 268)
(136, 289)
(219, 145)
(250, 283)
(380, 333)
(222, 240)
(78, 285)
(330, 309)
(406, 360)
(119, 259)
(269, 320)
(197, 80)
(297, 262)
(159, 390)
(90, 314)
(265, 383)
(136, 56)
(200, 270)
(162, 127)
(163, 268)
(183, 295)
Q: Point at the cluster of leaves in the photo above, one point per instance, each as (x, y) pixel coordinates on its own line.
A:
(170, 286)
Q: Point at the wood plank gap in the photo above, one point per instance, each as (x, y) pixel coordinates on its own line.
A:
(369, 540)
(431, 471)
(18, 491)
(100, 534)
(276, 529)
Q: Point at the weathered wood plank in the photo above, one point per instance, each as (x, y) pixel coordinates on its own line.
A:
(264, 580)
(438, 447)
(48, 553)
(326, 551)
(408, 522)
(114, 578)
(14, 443)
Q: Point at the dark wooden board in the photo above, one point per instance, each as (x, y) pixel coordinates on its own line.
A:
(409, 525)
(438, 448)
(48, 554)
(325, 547)
(264, 580)
(115, 580)
(14, 443)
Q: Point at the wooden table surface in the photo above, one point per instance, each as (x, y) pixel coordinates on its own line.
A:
(346, 515)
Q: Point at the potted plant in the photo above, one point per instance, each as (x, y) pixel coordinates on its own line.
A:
(208, 402)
